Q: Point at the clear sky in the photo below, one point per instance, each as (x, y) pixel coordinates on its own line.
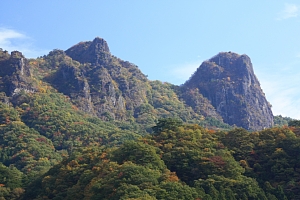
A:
(169, 39)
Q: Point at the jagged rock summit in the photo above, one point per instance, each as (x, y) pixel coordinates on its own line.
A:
(96, 51)
(228, 81)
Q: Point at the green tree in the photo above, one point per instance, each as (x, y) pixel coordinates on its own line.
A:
(140, 154)
(295, 123)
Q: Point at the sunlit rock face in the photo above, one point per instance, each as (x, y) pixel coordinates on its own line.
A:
(15, 74)
(228, 81)
(104, 85)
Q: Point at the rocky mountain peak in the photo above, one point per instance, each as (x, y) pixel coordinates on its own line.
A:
(225, 56)
(100, 45)
(228, 65)
(226, 60)
(96, 52)
(229, 83)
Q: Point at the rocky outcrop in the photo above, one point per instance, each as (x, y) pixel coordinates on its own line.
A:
(228, 81)
(98, 82)
(96, 52)
(15, 74)
(71, 81)
(199, 103)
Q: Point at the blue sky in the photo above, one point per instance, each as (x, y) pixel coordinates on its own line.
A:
(167, 39)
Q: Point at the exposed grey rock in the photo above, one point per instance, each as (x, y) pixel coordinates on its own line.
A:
(15, 74)
(228, 81)
(96, 52)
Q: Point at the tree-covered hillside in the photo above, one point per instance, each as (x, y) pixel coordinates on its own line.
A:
(180, 161)
(91, 159)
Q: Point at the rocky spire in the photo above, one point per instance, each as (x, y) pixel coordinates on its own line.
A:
(228, 81)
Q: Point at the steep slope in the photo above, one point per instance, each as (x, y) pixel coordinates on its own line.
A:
(229, 82)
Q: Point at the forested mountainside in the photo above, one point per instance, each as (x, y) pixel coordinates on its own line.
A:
(83, 123)
(179, 162)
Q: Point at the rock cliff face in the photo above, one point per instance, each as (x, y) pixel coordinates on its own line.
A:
(98, 82)
(227, 80)
(199, 103)
(15, 75)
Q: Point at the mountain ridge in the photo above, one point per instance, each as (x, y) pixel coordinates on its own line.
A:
(105, 86)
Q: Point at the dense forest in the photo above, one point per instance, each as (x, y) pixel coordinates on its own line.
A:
(83, 124)
(52, 153)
